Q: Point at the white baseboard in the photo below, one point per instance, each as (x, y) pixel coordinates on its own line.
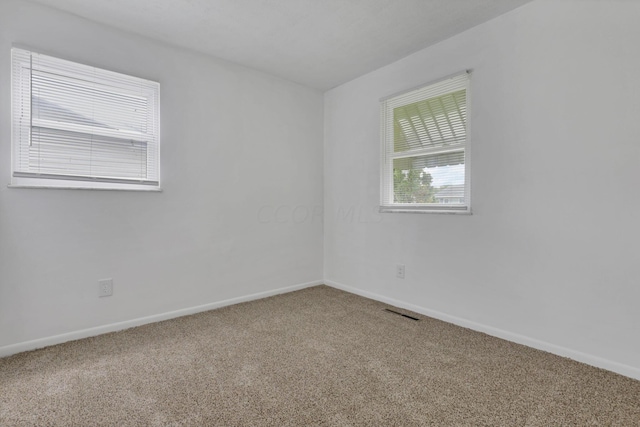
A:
(113, 327)
(596, 361)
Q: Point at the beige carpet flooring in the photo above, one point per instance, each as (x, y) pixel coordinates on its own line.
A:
(316, 357)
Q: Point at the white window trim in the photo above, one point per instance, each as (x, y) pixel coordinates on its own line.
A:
(75, 184)
(386, 205)
(28, 179)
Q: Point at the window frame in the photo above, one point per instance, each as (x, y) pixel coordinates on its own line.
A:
(387, 105)
(25, 178)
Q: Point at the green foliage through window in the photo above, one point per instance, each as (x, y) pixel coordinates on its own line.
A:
(412, 186)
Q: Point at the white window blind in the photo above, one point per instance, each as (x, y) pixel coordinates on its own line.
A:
(425, 159)
(82, 125)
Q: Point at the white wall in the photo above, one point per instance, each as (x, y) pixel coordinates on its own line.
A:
(551, 254)
(233, 141)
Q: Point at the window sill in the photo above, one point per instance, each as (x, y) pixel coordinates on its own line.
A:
(69, 187)
(423, 210)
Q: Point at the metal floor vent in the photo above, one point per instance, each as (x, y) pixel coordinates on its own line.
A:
(401, 314)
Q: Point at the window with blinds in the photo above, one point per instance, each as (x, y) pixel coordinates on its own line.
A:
(82, 127)
(425, 157)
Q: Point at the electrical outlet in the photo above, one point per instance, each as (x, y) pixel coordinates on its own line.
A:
(105, 288)
(400, 271)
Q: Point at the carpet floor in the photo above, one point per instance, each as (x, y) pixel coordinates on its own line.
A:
(315, 357)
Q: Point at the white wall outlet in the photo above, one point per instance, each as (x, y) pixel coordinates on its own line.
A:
(400, 271)
(105, 288)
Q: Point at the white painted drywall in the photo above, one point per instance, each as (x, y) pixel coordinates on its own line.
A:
(236, 145)
(552, 250)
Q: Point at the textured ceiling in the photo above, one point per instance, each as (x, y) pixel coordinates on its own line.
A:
(319, 43)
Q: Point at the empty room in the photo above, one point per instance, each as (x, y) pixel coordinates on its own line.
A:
(319, 213)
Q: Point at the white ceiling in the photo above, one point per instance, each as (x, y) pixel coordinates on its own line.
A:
(319, 43)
